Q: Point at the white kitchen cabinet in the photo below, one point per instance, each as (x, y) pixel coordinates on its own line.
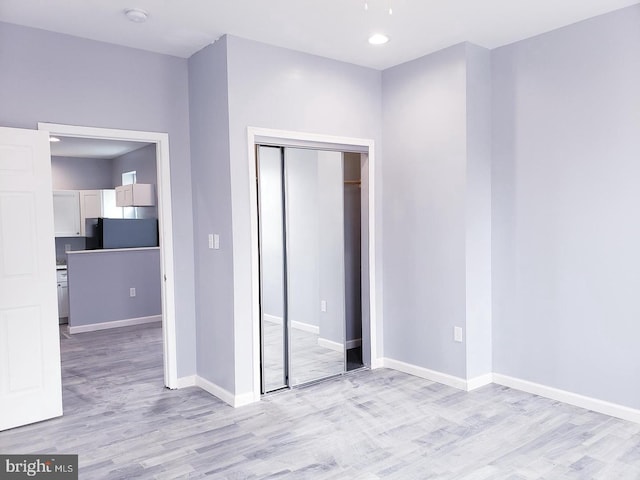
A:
(63, 294)
(136, 195)
(66, 213)
(96, 204)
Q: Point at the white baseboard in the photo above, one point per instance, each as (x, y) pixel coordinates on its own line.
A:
(589, 403)
(114, 324)
(377, 363)
(337, 346)
(422, 372)
(184, 382)
(223, 394)
(245, 399)
(600, 406)
(434, 376)
(306, 327)
(481, 381)
(330, 344)
(272, 319)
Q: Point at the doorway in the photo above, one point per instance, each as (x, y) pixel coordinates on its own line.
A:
(309, 212)
(165, 227)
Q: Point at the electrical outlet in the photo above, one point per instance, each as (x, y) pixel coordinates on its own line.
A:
(457, 334)
(323, 305)
(67, 247)
(132, 292)
(211, 240)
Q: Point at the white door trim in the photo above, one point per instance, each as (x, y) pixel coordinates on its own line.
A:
(267, 136)
(165, 221)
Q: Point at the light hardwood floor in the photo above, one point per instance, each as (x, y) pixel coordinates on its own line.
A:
(368, 425)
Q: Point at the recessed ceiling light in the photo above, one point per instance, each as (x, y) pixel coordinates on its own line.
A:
(136, 15)
(54, 139)
(378, 39)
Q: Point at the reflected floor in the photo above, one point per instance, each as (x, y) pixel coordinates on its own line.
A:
(309, 361)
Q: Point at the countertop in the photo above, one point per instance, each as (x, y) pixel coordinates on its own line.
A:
(110, 250)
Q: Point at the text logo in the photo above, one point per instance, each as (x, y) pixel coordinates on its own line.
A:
(51, 467)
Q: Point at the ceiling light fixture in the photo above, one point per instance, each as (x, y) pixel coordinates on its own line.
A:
(54, 139)
(136, 15)
(378, 39)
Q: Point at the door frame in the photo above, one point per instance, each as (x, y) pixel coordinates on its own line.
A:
(165, 225)
(286, 138)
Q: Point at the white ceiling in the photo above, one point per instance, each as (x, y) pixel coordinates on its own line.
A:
(331, 28)
(92, 147)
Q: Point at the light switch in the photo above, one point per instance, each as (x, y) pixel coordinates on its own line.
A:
(214, 241)
(132, 292)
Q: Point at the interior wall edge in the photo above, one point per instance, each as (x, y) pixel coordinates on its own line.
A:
(188, 381)
(233, 400)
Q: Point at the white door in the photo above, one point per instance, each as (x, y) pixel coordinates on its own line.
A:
(30, 382)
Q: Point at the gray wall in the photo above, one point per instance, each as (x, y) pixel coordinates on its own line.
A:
(437, 213)
(50, 77)
(71, 173)
(565, 208)
(75, 243)
(144, 162)
(209, 119)
(104, 297)
(424, 122)
(478, 334)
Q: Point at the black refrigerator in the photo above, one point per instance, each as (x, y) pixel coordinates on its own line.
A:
(121, 233)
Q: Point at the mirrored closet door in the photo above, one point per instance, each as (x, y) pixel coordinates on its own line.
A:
(309, 258)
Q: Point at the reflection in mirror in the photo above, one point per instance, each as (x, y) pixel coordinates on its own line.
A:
(315, 263)
(272, 280)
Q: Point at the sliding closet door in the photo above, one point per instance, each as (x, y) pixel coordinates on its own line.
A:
(272, 267)
(308, 226)
(314, 264)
